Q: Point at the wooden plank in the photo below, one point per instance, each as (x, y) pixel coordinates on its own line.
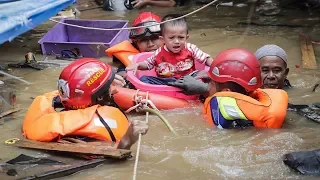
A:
(92, 143)
(308, 57)
(73, 140)
(304, 52)
(8, 112)
(63, 141)
(58, 173)
(84, 148)
(312, 57)
(276, 24)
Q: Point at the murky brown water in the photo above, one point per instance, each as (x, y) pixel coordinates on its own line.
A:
(199, 152)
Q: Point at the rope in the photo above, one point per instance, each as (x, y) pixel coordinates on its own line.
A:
(129, 28)
(141, 103)
(135, 98)
(139, 144)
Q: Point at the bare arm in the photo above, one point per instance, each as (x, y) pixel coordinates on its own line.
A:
(159, 3)
(209, 61)
(132, 134)
(138, 66)
(147, 64)
(143, 66)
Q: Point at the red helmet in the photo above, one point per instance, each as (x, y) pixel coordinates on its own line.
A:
(83, 81)
(239, 66)
(145, 19)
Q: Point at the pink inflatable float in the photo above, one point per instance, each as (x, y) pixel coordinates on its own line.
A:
(157, 89)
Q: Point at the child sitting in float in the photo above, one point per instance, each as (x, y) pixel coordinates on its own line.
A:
(176, 58)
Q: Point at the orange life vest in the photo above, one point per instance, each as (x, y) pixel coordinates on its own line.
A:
(43, 123)
(267, 108)
(124, 51)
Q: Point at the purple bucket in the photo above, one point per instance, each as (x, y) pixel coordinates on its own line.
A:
(91, 43)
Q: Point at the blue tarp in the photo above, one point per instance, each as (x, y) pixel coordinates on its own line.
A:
(17, 17)
(6, 1)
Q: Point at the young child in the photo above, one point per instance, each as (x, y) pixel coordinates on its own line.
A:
(176, 58)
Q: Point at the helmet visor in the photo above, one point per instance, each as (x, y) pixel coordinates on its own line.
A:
(153, 28)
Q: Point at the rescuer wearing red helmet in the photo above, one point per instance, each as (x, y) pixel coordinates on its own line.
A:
(84, 83)
(234, 95)
(235, 69)
(144, 39)
(84, 93)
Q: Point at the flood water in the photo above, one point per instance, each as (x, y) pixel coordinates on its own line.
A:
(199, 152)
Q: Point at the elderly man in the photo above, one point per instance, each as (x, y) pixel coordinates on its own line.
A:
(274, 70)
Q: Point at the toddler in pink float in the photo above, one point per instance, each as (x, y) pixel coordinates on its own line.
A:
(176, 58)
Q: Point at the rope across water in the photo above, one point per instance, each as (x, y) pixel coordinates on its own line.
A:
(129, 28)
(139, 143)
(142, 105)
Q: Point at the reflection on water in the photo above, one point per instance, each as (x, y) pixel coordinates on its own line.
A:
(199, 152)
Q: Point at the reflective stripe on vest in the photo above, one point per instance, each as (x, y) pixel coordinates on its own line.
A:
(229, 108)
(217, 117)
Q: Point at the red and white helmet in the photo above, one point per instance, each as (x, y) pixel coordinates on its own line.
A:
(145, 19)
(239, 66)
(83, 81)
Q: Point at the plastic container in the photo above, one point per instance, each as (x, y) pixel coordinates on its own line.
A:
(91, 43)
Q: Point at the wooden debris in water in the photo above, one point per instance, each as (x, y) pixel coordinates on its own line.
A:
(83, 148)
(67, 170)
(8, 112)
(276, 24)
(308, 57)
(14, 77)
(315, 87)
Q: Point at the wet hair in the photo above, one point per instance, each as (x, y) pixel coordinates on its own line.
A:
(179, 22)
(234, 87)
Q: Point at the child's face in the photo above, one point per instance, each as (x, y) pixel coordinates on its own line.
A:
(175, 37)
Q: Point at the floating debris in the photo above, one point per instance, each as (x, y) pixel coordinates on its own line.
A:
(12, 172)
(315, 87)
(95, 148)
(14, 77)
(8, 112)
(307, 51)
(30, 62)
(23, 159)
(305, 162)
(311, 112)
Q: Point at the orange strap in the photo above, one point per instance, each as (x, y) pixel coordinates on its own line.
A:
(123, 51)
